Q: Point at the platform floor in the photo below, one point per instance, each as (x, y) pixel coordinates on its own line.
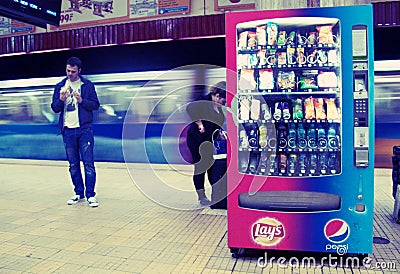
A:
(132, 233)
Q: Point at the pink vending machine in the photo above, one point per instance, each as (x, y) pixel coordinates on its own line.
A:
(301, 130)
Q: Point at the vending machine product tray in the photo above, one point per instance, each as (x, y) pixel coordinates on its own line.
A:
(290, 201)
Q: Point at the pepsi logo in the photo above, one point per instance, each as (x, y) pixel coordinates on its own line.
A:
(337, 230)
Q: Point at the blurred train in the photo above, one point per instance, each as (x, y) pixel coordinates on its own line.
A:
(142, 116)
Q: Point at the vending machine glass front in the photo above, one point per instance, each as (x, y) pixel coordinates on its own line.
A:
(289, 97)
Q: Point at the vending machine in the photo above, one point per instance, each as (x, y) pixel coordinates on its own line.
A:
(301, 130)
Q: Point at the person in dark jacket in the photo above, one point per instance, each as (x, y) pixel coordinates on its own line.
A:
(207, 116)
(75, 98)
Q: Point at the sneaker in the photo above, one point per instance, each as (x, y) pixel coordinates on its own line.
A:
(204, 202)
(92, 202)
(74, 199)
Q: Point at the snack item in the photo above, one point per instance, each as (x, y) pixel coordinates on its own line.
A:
(271, 57)
(309, 108)
(291, 57)
(246, 81)
(242, 42)
(301, 58)
(261, 35)
(297, 109)
(244, 109)
(307, 80)
(320, 113)
(322, 57)
(325, 35)
(312, 38)
(253, 60)
(262, 57)
(242, 60)
(255, 109)
(332, 56)
(281, 58)
(331, 109)
(266, 79)
(312, 58)
(281, 38)
(286, 80)
(252, 41)
(291, 40)
(272, 31)
(327, 79)
(301, 40)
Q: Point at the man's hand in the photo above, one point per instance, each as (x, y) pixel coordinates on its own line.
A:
(77, 96)
(64, 93)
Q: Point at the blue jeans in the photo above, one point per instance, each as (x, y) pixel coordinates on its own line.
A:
(79, 143)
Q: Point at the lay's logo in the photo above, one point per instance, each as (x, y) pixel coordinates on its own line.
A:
(268, 232)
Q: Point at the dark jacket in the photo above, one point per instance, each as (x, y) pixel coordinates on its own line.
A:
(202, 109)
(89, 103)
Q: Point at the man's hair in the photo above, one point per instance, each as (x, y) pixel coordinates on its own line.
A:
(74, 61)
(219, 88)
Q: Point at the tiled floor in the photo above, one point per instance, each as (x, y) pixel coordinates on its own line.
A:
(131, 232)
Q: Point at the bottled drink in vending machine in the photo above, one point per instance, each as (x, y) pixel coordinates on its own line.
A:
(292, 163)
(322, 163)
(282, 136)
(263, 136)
(302, 163)
(311, 136)
(322, 141)
(333, 141)
(332, 163)
(273, 165)
(243, 162)
(292, 136)
(263, 162)
(253, 135)
(265, 112)
(243, 142)
(282, 163)
(253, 162)
(313, 163)
(301, 136)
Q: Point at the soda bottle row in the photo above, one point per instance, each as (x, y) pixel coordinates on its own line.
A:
(310, 108)
(290, 164)
(289, 136)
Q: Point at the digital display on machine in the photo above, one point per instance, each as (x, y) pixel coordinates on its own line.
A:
(35, 12)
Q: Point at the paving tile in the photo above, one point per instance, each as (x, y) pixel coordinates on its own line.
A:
(71, 268)
(46, 267)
